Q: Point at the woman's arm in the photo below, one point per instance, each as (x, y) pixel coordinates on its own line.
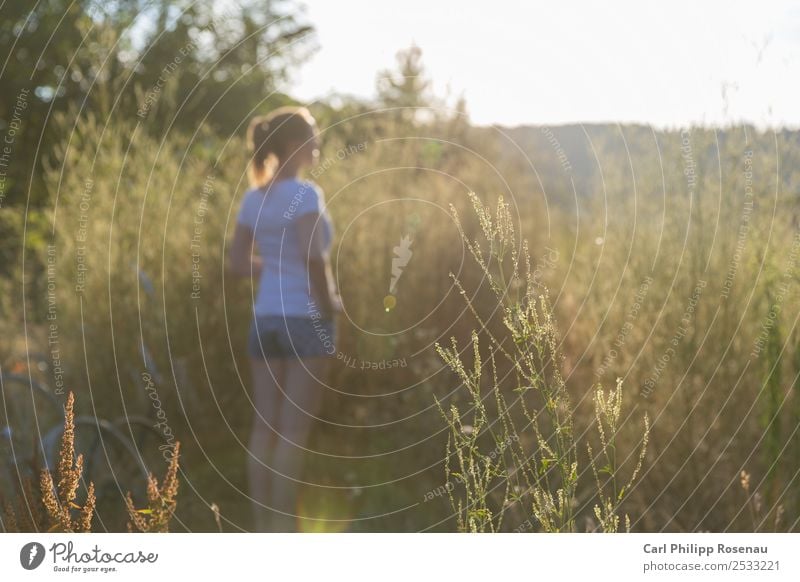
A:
(320, 274)
(242, 258)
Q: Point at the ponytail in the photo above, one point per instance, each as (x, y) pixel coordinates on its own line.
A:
(258, 140)
(268, 137)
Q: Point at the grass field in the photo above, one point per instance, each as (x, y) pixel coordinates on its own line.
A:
(669, 258)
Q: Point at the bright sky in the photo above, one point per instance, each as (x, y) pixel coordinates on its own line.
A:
(666, 63)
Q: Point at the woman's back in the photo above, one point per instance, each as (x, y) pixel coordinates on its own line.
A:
(271, 214)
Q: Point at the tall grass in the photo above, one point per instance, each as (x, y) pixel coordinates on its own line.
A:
(541, 472)
(638, 245)
(695, 233)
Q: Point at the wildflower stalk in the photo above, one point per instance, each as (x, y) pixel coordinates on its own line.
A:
(59, 498)
(161, 501)
(543, 482)
(608, 409)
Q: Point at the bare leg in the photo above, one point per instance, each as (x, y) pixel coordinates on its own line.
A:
(268, 379)
(303, 400)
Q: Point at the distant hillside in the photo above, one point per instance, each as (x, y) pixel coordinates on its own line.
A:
(585, 154)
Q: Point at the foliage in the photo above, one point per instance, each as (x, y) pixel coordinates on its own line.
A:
(59, 498)
(546, 477)
(405, 90)
(161, 501)
(634, 236)
(165, 63)
(50, 505)
(608, 408)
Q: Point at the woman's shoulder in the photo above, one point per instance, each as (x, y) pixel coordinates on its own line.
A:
(303, 197)
(254, 193)
(250, 208)
(307, 196)
(309, 186)
(251, 196)
(294, 186)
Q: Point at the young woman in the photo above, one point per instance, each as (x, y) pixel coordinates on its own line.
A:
(292, 333)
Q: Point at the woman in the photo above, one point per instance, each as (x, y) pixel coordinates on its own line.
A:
(291, 337)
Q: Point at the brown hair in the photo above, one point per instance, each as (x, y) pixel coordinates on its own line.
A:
(269, 135)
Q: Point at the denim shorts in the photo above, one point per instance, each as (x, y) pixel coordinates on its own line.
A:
(279, 336)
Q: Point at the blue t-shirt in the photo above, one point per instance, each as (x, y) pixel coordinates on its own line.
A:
(271, 214)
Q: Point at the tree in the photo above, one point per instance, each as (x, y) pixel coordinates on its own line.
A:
(406, 89)
(172, 63)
